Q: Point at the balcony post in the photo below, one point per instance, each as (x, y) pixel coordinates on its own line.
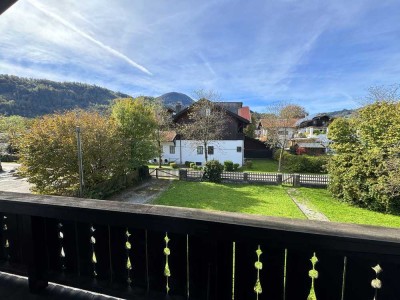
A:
(34, 251)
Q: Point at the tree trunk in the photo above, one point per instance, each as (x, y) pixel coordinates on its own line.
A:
(205, 152)
(280, 160)
(159, 154)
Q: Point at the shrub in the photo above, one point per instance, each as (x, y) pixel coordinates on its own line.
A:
(188, 163)
(236, 167)
(213, 171)
(173, 165)
(303, 163)
(193, 165)
(248, 164)
(228, 165)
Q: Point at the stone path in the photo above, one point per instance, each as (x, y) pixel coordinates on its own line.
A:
(143, 193)
(301, 203)
(10, 182)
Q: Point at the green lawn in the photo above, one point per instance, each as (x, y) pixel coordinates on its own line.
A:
(262, 165)
(268, 200)
(337, 211)
(245, 198)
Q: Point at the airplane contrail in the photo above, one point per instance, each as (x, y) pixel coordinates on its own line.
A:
(114, 52)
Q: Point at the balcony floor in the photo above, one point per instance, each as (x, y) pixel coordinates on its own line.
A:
(14, 287)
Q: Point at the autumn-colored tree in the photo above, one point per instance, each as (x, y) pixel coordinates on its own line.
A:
(280, 117)
(49, 152)
(164, 123)
(12, 127)
(136, 127)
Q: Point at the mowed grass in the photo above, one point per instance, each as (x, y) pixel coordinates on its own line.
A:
(262, 165)
(337, 211)
(243, 198)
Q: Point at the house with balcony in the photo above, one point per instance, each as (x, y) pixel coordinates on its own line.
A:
(277, 131)
(72, 248)
(230, 145)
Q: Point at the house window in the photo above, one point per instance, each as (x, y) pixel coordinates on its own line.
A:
(238, 149)
(282, 132)
(172, 149)
(200, 150)
(210, 150)
(208, 112)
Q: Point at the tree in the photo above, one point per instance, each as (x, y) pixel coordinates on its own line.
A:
(364, 170)
(48, 152)
(279, 119)
(206, 121)
(163, 120)
(136, 125)
(13, 127)
(250, 129)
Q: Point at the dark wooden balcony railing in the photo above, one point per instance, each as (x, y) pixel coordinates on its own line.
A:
(156, 252)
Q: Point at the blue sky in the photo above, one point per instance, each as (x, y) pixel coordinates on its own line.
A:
(319, 54)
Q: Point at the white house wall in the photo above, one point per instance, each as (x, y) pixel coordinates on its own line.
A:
(186, 150)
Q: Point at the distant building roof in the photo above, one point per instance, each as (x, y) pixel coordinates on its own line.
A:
(168, 136)
(278, 123)
(231, 106)
(310, 145)
(244, 112)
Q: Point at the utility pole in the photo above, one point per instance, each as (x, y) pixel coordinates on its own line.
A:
(79, 146)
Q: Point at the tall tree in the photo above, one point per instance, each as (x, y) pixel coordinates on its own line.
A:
(13, 127)
(163, 118)
(364, 169)
(250, 129)
(48, 152)
(279, 118)
(136, 125)
(206, 121)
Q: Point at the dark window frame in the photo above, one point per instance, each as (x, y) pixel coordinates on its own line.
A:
(200, 150)
(172, 149)
(212, 150)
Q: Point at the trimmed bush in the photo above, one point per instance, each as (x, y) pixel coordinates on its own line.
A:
(173, 165)
(188, 164)
(193, 165)
(248, 164)
(236, 167)
(213, 171)
(303, 163)
(228, 165)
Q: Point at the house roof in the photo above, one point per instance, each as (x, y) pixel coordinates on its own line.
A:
(231, 106)
(244, 112)
(168, 136)
(220, 104)
(276, 123)
(310, 145)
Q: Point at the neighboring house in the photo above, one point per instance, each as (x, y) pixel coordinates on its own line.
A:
(313, 125)
(229, 147)
(169, 153)
(309, 148)
(280, 130)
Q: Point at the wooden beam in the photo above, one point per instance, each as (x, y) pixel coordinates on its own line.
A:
(5, 4)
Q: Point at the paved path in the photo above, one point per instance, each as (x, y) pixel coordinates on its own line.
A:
(143, 193)
(10, 182)
(302, 205)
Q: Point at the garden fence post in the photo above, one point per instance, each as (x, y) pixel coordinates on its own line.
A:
(245, 177)
(296, 180)
(182, 174)
(279, 179)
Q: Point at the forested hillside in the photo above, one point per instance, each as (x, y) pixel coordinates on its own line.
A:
(33, 97)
